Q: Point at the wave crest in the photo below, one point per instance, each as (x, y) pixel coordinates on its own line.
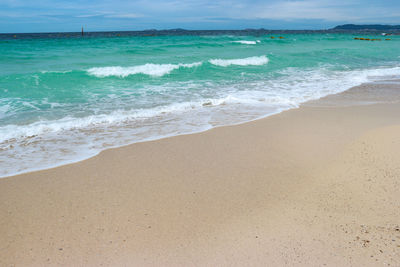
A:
(246, 42)
(156, 70)
(254, 61)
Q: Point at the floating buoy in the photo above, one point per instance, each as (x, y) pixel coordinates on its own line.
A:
(368, 39)
(272, 37)
(280, 37)
(388, 39)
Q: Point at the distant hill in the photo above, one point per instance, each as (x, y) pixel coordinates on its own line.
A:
(373, 27)
(348, 28)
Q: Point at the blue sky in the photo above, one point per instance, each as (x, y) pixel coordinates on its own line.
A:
(98, 15)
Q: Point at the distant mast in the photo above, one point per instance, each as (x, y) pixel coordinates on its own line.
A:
(82, 30)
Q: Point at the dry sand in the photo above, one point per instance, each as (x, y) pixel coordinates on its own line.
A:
(314, 186)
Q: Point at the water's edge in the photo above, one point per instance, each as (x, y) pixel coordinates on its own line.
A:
(304, 104)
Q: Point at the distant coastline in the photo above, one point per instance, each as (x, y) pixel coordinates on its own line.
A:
(370, 27)
(346, 28)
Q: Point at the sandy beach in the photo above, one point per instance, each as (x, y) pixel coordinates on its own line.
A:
(313, 186)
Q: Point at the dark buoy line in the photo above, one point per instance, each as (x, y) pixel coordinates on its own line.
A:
(369, 39)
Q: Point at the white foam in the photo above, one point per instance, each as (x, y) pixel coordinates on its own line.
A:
(71, 139)
(10, 132)
(156, 70)
(249, 61)
(56, 71)
(246, 42)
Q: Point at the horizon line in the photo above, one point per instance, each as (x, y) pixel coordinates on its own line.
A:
(215, 30)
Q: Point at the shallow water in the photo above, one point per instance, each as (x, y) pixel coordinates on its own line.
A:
(66, 99)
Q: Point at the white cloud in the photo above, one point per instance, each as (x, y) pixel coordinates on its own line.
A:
(309, 9)
(328, 10)
(111, 15)
(124, 16)
(89, 15)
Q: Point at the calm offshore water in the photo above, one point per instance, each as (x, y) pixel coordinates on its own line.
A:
(66, 99)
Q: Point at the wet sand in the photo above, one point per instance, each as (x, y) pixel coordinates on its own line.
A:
(314, 186)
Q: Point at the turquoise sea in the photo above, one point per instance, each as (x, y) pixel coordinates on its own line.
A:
(66, 99)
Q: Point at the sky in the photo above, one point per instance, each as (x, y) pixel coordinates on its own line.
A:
(109, 15)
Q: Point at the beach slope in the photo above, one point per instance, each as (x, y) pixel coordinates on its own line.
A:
(314, 186)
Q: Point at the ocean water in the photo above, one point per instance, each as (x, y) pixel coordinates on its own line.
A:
(66, 99)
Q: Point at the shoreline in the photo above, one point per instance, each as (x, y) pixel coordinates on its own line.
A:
(151, 139)
(308, 186)
(56, 114)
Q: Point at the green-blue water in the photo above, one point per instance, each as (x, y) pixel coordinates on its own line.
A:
(66, 99)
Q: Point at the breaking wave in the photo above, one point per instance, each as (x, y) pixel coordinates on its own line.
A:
(159, 70)
(247, 42)
(249, 61)
(156, 70)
